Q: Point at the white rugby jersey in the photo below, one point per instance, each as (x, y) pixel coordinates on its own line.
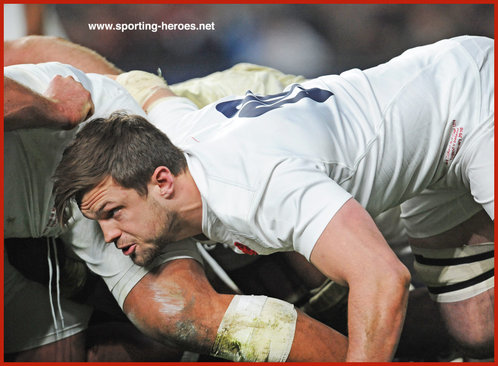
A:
(31, 155)
(272, 171)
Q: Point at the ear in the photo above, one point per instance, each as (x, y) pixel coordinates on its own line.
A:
(164, 180)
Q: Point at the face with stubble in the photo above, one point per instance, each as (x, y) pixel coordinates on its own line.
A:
(141, 226)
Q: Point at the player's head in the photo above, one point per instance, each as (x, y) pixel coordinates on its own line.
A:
(125, 147)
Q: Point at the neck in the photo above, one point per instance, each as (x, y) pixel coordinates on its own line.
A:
(191, 202)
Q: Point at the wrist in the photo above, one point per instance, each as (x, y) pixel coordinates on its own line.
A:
(59, 116)
(157, 97)
(145, 88)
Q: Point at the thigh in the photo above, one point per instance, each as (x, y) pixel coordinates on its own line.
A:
(31, 320)
(71, 349)
(478, 228)
(458, 268)
(458, 263)
(471, 324)
(461, 258)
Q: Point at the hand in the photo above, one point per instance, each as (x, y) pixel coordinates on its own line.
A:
(145, 88)
(72, 101)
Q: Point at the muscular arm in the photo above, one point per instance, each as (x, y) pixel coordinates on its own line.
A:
(37, 49)
(183, 308)
(64, 104)
(352, 252)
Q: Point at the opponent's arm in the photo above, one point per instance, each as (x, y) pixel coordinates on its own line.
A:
(352, 252)
(146, 88)
(37, 49)
(63, 105)
(177, 304)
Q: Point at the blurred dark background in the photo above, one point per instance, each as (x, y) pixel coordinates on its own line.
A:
(306, 39)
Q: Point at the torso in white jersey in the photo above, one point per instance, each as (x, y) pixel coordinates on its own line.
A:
(273, 170)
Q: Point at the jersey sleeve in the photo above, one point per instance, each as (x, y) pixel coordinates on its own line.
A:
(175, 116)
(298, 203)
(107, 95)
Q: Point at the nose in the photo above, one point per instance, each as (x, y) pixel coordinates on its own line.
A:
(110, 230)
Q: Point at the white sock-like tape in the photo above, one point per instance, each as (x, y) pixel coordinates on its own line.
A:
(435, 275)
(256, 329)
(140, 84)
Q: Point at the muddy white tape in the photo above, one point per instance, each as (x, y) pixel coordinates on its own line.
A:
(256, 329)
(140, 84)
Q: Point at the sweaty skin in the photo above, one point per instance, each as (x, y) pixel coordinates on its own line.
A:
(195, 327)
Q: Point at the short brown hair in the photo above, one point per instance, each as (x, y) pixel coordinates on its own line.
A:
(125, 147)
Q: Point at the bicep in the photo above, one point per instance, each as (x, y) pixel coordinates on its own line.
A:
(351, 245)
(299, 200)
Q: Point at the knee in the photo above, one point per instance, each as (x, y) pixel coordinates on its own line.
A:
(479, 348)
(471, 325)
(474, 340)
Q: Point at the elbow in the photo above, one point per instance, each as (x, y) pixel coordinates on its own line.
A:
(396, 291)
(392, 281)
(399, 278)
(403, 276)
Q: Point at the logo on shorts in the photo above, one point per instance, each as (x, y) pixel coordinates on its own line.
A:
(244, 249)
(454, 143)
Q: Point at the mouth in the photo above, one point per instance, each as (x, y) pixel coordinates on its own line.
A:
(129, 249)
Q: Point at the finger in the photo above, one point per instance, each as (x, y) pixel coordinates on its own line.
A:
(91, 109)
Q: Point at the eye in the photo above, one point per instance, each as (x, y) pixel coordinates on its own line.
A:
(114, 213)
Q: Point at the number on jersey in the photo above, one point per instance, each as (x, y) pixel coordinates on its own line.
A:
(253, 105)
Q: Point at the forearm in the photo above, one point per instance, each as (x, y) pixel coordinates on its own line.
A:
(63, 105)
(316, 342)
(37, 49)
(24, 108)
(375, 320)
(352, 252)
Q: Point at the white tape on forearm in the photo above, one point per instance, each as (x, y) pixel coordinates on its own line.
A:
(140, 84)
(256, 329)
